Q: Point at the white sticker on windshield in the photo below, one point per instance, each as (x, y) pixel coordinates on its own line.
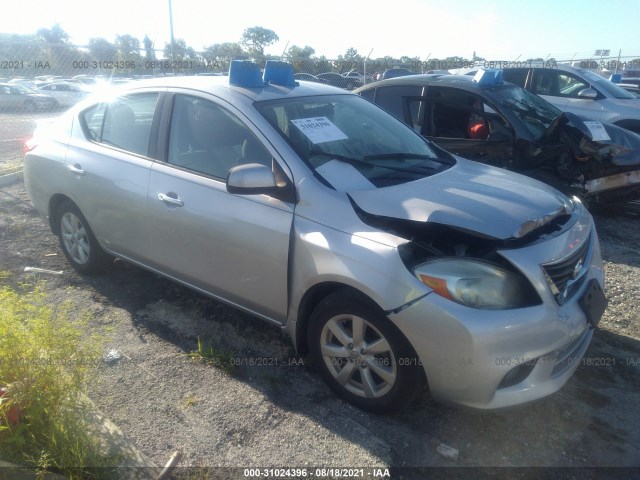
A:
(319, 129)
(344, 177)
(598, 133)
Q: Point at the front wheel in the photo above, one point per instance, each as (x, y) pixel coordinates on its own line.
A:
(362, 356)
(29, 106)
(78, 241)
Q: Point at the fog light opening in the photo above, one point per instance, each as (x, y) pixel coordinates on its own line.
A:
(517, 374)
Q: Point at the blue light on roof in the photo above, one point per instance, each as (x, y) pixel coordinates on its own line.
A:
(244, 73)
(616, 78)
(279, 73)
(488, 77)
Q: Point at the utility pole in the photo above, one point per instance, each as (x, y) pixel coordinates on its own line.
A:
(171, 34)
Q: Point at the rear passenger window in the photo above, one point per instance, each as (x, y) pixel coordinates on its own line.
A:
(123, 123)
(392, 98)
(516, 75)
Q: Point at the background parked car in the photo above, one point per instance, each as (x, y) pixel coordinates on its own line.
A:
(631, 81)
(337, 80)
(504, 125)
(358, 79)
(631, 88)
(580, 91)
(310, 78)
(396, 72)
(65, 93)
(20, 98)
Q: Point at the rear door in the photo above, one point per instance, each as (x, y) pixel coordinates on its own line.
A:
(108, 164)
(234, 247)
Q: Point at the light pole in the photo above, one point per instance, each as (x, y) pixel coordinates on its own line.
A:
(171, 34)
(364, 69)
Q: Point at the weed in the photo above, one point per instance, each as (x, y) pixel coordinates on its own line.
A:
(45, 360)
(211, 355)
(189, 401)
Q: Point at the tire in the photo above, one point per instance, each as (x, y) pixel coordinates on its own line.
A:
(29, 107)
(78, 242)
(361, 355)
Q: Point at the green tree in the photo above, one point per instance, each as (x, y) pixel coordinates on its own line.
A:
(181, 52)
(57, 54)
(351, 60)
(255, 39)
(54, 35)
(219, 55)
(296, 53)
(149, 52)
(19, 48)
(128, 52)
(102, 50)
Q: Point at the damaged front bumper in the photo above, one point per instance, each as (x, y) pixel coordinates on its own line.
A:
(618, 181)
(489, 359)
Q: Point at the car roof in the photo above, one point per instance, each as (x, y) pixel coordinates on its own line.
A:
(220, 86)
(464, 82)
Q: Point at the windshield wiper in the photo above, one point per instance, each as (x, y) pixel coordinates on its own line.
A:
(357, 161)
(391, 156)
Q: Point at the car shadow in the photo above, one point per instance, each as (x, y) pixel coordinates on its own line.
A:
(581, 425)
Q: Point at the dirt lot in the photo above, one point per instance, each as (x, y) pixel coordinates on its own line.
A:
(272, 410)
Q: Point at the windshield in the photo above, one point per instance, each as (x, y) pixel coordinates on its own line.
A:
(351, 144)
(609, 87)
(535, 113)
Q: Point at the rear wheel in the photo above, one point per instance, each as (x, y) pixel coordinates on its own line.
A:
(77, 240)
(361, 355)
(29, 106)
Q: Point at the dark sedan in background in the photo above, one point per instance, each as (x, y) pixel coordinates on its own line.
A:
(491, 121)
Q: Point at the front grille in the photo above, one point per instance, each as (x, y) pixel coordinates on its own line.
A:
(562, 274)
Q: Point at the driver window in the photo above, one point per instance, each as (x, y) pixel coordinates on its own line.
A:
(209, 139)
(455, 115)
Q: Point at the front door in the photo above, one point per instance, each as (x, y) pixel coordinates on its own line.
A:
(235, 247)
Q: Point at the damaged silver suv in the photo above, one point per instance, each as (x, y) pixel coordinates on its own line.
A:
(394, 264)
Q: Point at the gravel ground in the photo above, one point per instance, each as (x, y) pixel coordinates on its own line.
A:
(272, 410)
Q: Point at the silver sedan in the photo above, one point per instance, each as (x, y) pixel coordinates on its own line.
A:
(392, 263)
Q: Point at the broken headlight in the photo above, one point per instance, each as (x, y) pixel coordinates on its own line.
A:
(477, 284)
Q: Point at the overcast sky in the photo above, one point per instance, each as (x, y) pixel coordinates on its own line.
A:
(494, 29)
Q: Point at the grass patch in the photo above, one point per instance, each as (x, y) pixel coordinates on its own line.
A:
(45, 362)
(190, 401)
(13, 166)
(211, 355)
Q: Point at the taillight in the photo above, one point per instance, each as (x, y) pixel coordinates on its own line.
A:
(29, 145)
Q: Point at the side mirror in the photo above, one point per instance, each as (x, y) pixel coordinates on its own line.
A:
(251, 179)
(589, 93)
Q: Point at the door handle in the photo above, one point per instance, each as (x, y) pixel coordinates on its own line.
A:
(76, 168)
(171, 199)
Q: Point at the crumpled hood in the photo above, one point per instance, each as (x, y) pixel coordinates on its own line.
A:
(471, 196)
(614, 145)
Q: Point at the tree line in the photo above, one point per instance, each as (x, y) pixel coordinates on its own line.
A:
(49, 51)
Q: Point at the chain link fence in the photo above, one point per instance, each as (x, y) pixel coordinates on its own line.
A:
(39, 80)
